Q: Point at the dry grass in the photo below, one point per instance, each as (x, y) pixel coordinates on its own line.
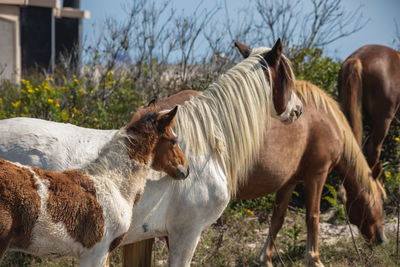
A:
(236, 239)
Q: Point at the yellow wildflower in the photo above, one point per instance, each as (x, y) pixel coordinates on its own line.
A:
(110, 83)
(16, 104)
(1, 100)
(48, 79)
(30, 90)
(388, 175)
(51, 101)
(57, 105)
(75, 110)
(397, 139)
(23, 81)
(250, 212)
(37, 89)
(110, 75)
(76, 80)
(82, 91)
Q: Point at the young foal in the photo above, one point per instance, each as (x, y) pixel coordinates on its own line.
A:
(86, 213)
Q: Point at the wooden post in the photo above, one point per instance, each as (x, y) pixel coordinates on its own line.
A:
(138, 254)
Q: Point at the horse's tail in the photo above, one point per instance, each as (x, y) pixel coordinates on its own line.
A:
(350, 95)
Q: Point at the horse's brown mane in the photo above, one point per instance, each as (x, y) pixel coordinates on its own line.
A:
(146, 112)
(310, 93)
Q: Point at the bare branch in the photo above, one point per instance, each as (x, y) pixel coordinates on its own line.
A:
(327, 22)
(396, 38)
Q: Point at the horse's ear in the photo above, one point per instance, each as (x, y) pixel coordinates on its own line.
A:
(243, 49)
(166, 119)
(273, 57)
(151, 103)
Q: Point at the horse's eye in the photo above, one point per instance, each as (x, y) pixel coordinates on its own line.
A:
(173, 142)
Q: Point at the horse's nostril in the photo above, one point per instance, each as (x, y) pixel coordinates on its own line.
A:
(298, 111)
(182, 173)
(187, 171)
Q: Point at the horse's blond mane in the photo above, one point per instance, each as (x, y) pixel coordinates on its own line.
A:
(352, 153)
(227, 121)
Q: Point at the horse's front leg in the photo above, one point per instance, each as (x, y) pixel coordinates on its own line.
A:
(281, 203)
(313, 190)
(182, 244)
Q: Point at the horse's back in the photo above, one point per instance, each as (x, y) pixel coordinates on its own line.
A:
(49, 145)
(381, 70)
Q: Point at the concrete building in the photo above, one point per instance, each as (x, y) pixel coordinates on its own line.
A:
(34, 32)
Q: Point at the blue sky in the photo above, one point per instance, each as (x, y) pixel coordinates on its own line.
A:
(379, 30)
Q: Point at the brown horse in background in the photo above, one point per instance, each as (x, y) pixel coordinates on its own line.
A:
(369, 81)
(324, 141)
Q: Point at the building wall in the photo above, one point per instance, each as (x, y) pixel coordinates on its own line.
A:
(10, 58)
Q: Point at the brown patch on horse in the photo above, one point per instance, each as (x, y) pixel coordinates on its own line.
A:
(72, 201)
(116, 242)
(19, 205)
(137, 198)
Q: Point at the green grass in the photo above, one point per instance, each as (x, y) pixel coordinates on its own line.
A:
(236, 239)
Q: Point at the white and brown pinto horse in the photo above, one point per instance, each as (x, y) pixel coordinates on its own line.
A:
(86, 213)
(221, 132)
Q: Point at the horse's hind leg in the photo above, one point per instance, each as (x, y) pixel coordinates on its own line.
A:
(281, 203)
(5, 231)
(313, 189)
(373, 147)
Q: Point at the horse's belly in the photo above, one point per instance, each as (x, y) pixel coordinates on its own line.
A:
(263, 180)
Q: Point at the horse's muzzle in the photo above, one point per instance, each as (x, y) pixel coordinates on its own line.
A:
(380, 237)
(182, 172)
(294, 115)
(298, 111)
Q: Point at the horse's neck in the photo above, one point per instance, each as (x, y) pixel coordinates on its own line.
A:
(354, 189)
(114, 165)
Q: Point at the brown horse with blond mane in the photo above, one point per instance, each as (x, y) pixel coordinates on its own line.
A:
(324, 142)
(369, 82)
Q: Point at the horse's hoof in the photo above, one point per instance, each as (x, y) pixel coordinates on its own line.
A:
(263, 260)
(314, 263)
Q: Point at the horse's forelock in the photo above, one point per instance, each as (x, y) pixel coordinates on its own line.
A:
(287, 75)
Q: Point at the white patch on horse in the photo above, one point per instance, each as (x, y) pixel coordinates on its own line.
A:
(46, 234)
